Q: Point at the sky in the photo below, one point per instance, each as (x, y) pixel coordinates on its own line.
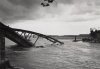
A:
(62, 17)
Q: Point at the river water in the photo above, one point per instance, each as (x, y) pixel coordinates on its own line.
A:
(71, 55)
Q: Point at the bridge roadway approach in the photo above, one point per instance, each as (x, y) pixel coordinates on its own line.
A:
(22, 37)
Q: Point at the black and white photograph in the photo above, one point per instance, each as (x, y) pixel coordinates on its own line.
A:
(49, 34)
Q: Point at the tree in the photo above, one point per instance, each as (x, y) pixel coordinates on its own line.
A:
(46, 3)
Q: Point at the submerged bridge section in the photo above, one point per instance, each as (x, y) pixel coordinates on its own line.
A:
(23, 37)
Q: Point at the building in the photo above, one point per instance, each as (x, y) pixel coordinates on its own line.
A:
(95, 35)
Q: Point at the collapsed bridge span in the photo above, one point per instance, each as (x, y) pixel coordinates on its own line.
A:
(24, 36)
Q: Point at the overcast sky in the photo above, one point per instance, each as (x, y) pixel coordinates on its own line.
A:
(62, 17)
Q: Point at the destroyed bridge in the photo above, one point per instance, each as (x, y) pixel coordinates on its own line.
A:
(23, 37)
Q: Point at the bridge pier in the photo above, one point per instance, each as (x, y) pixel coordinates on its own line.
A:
(4, 62)
(2, 48)
(75, 40)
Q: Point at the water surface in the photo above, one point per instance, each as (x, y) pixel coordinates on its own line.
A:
(71, 55)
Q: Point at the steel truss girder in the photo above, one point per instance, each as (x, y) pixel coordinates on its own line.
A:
(40, 35)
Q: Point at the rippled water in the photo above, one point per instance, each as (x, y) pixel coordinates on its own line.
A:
(71, 55)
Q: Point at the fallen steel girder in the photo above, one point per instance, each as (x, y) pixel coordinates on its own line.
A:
(23, 37)
(40, 35)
